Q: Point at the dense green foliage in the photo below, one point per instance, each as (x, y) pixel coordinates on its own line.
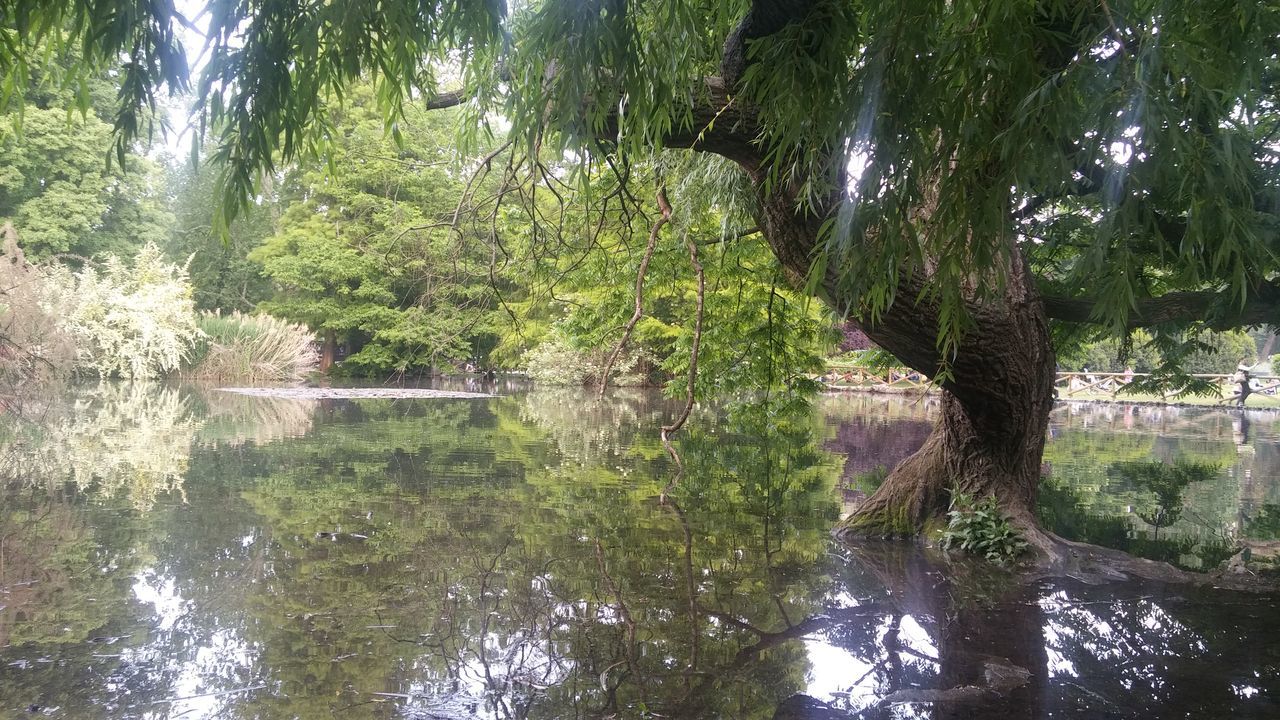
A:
(576, 288)
(54, 184)
(365, 252)
(1211, 353)
(1119, 116)
(1125, 158)
(222, 276)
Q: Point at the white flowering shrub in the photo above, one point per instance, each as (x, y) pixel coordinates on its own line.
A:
(555, 361)
(128, 320)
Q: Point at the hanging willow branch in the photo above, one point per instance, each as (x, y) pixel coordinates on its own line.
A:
(693, 353)
(665, 218)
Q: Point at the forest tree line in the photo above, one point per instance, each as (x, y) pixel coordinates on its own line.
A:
(394, 254)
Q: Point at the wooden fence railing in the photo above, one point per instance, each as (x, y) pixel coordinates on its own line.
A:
(1068, 384)
(1075, 384)
(852, 376)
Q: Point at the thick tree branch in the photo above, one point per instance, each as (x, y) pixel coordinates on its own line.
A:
(693, 349)
(763, 18)
(441, 101)
(1091, 180)
(721, 125)
(1261, 308)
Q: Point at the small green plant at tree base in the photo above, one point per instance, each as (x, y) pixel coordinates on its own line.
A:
(979, 527)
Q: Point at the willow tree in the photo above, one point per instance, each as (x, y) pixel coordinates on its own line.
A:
(954, 175)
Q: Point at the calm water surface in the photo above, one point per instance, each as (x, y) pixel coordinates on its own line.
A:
(168, 553)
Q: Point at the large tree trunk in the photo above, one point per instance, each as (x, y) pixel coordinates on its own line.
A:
(996, 398)
(329, 351)
(990, 436)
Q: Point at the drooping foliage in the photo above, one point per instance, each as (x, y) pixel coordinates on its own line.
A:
(952, 176)
(573, 286)
(222, 276)
(1126, 144)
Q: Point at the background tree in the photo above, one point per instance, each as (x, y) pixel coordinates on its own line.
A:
(222, 275)
(54, 185)
(573, 287)
(365, 254)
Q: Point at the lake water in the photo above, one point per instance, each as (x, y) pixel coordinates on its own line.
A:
(171, 553)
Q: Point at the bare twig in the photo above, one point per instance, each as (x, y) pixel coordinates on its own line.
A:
(640, 275)
(693, 353)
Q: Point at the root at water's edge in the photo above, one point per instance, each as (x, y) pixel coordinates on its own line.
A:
(1050, 556)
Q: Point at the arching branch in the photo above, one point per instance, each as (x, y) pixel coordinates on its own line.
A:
(693, 350)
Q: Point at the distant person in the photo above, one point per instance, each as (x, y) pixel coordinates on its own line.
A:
(1241, 378)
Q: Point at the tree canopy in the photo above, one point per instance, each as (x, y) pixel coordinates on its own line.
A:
(1127, 146)
(54, 185)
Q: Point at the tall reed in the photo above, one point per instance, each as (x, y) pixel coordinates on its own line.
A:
(251, 349)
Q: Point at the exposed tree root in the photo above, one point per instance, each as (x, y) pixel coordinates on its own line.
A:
(1051, 556)
(1096, 564)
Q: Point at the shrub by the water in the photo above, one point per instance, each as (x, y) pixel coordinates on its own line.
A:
(130, 320)
(557, 362)
(980, 528)
(34, 345)
(251, 349)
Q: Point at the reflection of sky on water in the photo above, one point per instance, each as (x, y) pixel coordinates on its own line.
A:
(836, 674)
(1124, 656)
(200, 667)
(831, 670)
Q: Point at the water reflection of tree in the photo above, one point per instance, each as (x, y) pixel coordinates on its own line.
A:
(52, 588)
(872, 434)
(1089, 468)
(587, 429)
(450, 559)
(951, 641)
(232, 419)
(536, 584)
(1165, 484)
(117, 438)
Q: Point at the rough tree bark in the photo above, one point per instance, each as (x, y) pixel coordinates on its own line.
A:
(329, 350)
(995, 403)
